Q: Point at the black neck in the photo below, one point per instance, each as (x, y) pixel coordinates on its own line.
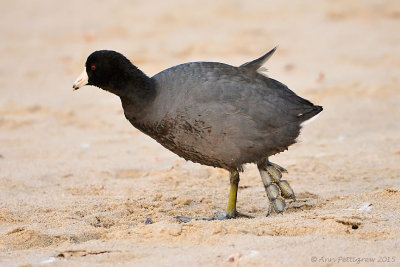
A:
(138, 94)
(135, 89)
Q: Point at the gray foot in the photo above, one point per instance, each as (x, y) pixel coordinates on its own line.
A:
(277, 190)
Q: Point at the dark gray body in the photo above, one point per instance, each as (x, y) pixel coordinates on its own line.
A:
(222, 116)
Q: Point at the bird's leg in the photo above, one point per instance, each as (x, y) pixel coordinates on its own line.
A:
(231, 211)
(231, 208)
(275, 188)
(234, 181)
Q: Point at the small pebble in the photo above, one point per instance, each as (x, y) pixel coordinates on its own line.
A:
(183, 219)
(341, 138)
(289, 67)
(365, 207)
(321, 77)
(85, 146)
(148, 221)
(47, 261)
(234, 257)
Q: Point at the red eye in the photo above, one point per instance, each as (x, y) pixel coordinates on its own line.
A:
(93, 67)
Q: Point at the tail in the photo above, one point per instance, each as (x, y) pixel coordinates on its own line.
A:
(310, 113)
(257, 63)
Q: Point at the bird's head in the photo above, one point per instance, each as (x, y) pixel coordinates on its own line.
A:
(108, 70)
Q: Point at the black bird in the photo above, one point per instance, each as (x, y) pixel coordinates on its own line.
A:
(210, 113)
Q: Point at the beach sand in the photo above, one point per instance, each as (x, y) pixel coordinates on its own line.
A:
(78, 182)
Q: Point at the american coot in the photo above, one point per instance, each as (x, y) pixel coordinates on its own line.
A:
(210, 113)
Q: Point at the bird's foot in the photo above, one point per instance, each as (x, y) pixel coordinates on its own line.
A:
(277, 190)
(217, 217)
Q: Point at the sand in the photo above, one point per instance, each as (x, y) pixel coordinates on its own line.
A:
(77, 182)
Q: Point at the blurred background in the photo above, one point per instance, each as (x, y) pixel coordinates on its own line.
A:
(44, 44)
(62, 151)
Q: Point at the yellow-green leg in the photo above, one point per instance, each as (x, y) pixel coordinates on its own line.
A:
(231, 211)
(234, 180)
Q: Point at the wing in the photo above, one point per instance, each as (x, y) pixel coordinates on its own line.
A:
(223, 113)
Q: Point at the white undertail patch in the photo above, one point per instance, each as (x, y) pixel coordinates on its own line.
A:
(308, 121)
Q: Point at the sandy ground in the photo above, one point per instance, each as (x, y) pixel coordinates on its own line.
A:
(77, 182)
